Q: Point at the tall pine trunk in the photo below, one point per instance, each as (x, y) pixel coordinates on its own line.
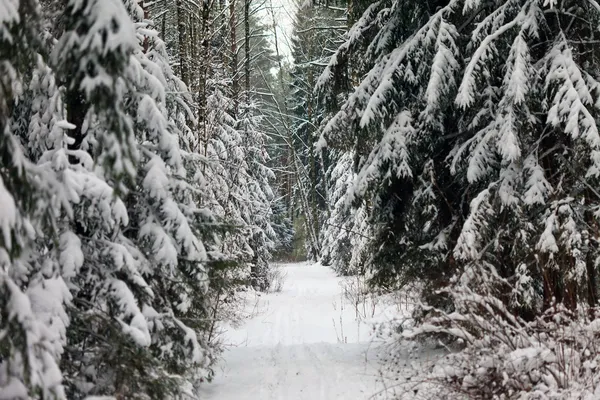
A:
(181, 29)
(234, 57)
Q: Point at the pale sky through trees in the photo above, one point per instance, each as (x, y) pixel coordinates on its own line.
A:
(284, 14)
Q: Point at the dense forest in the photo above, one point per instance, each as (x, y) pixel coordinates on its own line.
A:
(157, 156)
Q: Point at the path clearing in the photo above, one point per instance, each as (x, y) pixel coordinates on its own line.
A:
(304, 344)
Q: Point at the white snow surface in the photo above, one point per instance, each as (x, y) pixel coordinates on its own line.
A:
(303, 343)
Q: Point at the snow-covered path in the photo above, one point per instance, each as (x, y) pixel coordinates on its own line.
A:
(304, 343)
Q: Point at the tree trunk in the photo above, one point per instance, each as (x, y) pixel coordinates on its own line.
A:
(193, 51)
(247, 49)
(255, 268)
(181, 28)
(234, 57)
(287, 175)
(203, 73)
(77, 109)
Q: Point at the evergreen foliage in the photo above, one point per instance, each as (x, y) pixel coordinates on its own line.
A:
(318, 27)
(150, 169)
(462, 128)
(473, 136)
(116, 213)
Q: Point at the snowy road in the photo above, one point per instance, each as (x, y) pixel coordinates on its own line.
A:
(303, 344)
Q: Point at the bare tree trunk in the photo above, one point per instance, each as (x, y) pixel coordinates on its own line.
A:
(193, 51)
(247, 49)
(181, 27)
(77, 108)
(204, 67)
(287, 176)
(255, 268)
(234, 58)
(312, 163)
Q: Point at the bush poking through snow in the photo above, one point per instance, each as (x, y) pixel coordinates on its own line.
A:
(275, 279)
(555, 356)
(362, 297)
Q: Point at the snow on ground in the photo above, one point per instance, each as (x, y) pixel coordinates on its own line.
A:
(303, 343)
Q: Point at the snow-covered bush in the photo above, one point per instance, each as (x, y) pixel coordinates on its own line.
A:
(498, 355)
(275, 278)
(361, 296)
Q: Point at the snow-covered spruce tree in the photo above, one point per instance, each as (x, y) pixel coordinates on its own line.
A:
(141, 274)
(171, 227)
(31, 298)
(346, 229)
(258, 174)
(317, 27)
(259, 196)
(100, 213)
(224, 166)
(91, 57)
(236, 168)
(107, 325)
(236, 163)
(401, 180)
(283, 229)
(211, 145)
(476, 134)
